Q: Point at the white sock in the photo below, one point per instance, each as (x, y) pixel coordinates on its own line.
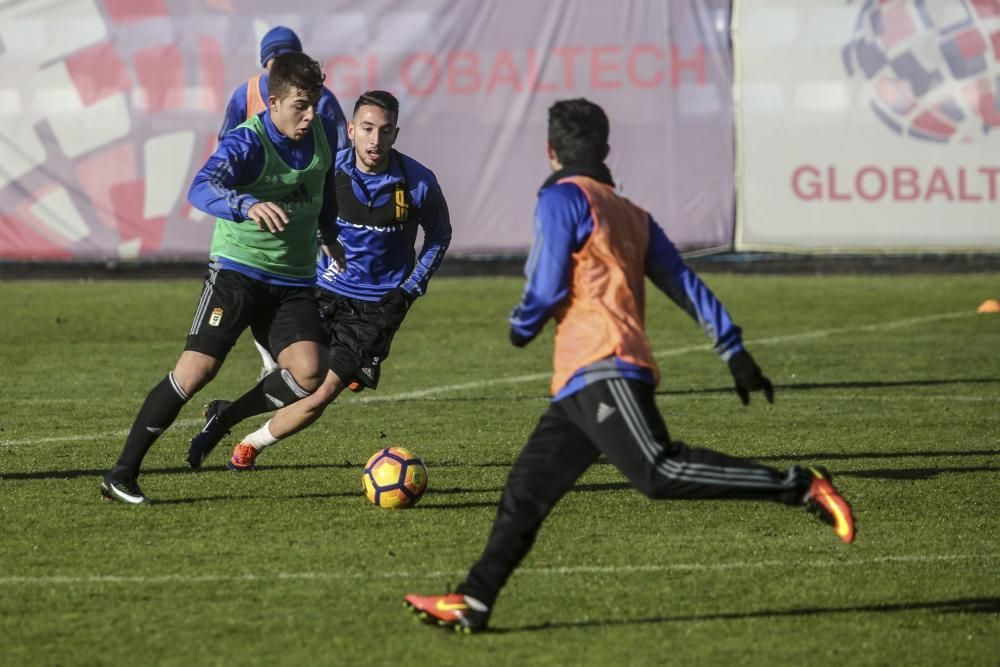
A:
(265, 357)
(475, 604)
(261, 438)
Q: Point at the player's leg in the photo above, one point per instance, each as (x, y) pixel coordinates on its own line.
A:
(289, 320)
(621, 417)
(285, 423)
(632, 434)
(360, 340)
(216, 325)
(555, 456)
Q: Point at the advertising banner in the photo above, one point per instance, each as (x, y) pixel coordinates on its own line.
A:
(868, 125)
(109, 107)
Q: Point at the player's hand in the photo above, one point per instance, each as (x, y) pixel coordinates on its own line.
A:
(748, 377)
(338, 258)
(269, 216)
(517, 340)
(394, 305)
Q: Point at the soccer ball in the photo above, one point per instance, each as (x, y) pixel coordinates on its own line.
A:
(394, 478)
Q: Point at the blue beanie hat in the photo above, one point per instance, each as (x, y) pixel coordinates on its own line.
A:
(278, 40)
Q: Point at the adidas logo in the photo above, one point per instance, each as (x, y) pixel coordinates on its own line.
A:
(274, 401)
(604, 411)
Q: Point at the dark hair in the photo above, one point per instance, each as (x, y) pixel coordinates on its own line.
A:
(578, 132)
(295, 71)
(381, 99)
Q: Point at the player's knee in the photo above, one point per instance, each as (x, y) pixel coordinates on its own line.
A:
(306, 364)
(311, 380)
(282, 388)
(192, 377)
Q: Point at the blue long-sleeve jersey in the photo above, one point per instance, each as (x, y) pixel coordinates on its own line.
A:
(328, 106)
(238, 161)
(379, 259)
(563, 223)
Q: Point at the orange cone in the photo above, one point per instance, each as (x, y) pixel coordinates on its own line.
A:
(989, 306)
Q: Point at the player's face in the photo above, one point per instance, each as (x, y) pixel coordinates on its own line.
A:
(293, 114)
(373, 131)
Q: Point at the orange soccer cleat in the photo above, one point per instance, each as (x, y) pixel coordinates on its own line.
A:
(825, 502)
(243, 457)
(453, 610)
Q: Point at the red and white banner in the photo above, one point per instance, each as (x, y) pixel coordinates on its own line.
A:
(108, 107)
(868, 125)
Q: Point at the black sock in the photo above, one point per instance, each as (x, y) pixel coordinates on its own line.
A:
(157, 413)
(275, 391)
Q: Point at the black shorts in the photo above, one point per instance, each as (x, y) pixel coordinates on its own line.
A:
(230, 302)
(359, 337)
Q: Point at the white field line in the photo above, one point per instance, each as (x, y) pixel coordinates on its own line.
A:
(87, 437)
(531, 377)
(339, 575)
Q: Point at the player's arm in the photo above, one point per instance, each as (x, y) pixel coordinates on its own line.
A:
(237, 160)
(432, 215)
(330, 108)
(562, 224)
(667, 270)
(327, 229)
(434, 219)
(236, 111)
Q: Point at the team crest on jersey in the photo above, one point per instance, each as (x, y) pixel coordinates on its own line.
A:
(402, 208)
(216, 317)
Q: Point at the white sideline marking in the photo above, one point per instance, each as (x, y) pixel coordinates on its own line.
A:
(87, 437)
(531, 377)
(527, 571)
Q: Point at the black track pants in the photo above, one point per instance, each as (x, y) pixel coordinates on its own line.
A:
(617, 418)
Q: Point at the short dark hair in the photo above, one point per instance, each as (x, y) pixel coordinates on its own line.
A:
(381, 99)
(295, 71)
(578, 131)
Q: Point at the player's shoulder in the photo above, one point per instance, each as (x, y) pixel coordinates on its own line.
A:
(343, 157)
(415, 171)
(241, 138)
(562, 193)
(330, 125)
(327, 97)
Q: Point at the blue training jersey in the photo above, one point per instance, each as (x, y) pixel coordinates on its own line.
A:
(238, 160)
(379, 259)
(328, 106)
(563, 223)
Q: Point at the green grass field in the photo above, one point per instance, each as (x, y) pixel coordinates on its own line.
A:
(892, 382)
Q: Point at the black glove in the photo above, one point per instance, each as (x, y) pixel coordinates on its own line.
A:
(338, 258)
(394, 304)
(517, 340)
(748, 377)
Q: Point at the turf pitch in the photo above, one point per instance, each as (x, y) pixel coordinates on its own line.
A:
(893, 382)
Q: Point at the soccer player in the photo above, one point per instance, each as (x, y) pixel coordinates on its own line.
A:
(383, 196)
(249, 99)
(269, 182)
(592, 252)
